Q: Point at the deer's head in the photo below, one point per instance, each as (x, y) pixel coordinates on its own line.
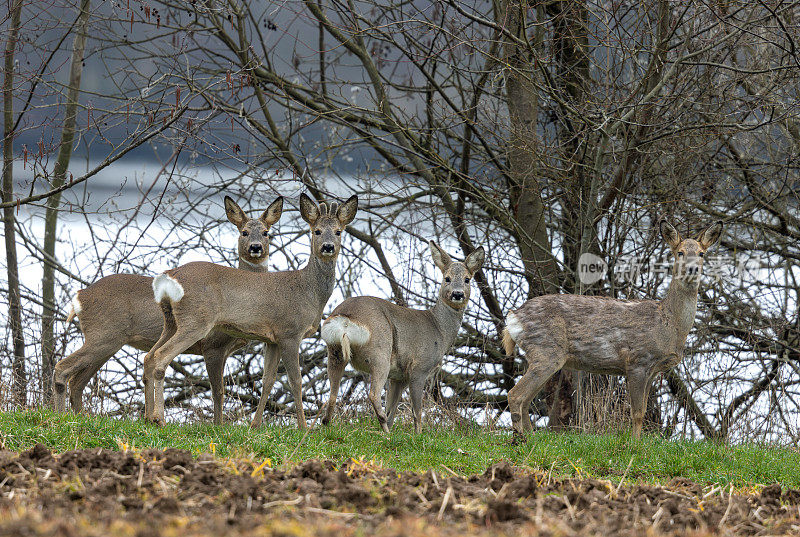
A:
(327, 223)
(254, 236)
(689, 253)
(456, 276)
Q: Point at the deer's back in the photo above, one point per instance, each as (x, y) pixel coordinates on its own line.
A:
(597, 334)
(249, 304)
(409, 336)
(121, 307)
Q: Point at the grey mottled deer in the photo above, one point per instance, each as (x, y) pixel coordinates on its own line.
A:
(278, 308)
(119, 310)
(400, 344)
(634, 338)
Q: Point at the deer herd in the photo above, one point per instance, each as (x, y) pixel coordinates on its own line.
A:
(212, 310)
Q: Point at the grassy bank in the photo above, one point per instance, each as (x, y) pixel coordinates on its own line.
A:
(651, 459)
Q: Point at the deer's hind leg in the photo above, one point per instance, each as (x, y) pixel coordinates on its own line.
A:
(77, 369)
(543, 363)
(149, 364)
(336, 365)
(394, 393)
(378, 375)
(192, 329)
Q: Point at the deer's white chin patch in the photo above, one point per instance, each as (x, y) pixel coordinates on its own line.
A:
(514, 326)
(167, 287)
(335, 328)
(258, 263)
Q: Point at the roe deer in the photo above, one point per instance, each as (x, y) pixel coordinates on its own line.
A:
(397, 343)
(119, 310)
(278, 308)
(635, 338)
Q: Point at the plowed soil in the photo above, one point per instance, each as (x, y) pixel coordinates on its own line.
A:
(102, 492)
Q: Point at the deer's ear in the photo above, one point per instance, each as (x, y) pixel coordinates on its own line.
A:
(309, 210)
(273, 212)
(474, 261)
(440, 258)
(710, 235)
(234, 213)
(669, 234)
(347, 212)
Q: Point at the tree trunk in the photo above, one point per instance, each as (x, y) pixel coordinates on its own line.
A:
(19, 380)
(51, 215)
(522, 99)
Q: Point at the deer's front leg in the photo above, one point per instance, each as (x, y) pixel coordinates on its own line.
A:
(416, 390)
(290, 356)
(271, 358)
(638, 386)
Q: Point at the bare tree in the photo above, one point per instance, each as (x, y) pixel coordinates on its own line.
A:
(14, 301)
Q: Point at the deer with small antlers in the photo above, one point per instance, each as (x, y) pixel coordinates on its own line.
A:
(634, 338)
(395, 343)
(118, 310)
(278, 308)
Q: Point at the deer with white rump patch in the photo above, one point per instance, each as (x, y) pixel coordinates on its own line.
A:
(278, 308)
(634, 338)
(397, 343)
(118, 310)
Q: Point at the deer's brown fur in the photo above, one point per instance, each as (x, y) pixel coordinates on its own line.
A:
(278, 308)
(635, 338)
(119, 310)
(400, 344)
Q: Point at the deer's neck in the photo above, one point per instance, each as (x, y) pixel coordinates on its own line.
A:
(244, 264)
(448, 321)
(681, 305)
(320, 277)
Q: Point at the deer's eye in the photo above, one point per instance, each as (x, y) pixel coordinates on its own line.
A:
(266, 233)
(466, 280)
(680, 254)
(447, 279)
(338, 232)
(245, 233)
(702, 254)
(317, 232)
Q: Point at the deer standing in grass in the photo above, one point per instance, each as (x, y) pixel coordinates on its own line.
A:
(396, 343)
(119, 310)
(634, 338)
(278, 308)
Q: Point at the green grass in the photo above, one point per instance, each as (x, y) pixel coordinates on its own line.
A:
(651, 459)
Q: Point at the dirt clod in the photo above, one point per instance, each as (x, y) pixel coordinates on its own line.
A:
(102, 492)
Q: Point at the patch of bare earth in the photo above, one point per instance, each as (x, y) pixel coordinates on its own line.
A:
(101, 492)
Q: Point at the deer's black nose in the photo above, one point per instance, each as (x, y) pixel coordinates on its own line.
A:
(327, 248)
(255, 249)
(457, 296)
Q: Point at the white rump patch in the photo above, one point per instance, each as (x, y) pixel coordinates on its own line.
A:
(335, 328)
(514, 326)
(76, 305)
(165, 286)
